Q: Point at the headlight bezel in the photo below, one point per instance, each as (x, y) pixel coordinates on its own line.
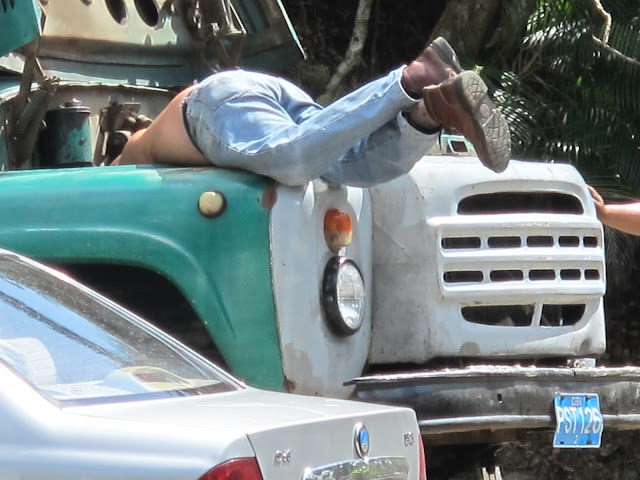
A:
(329, 297)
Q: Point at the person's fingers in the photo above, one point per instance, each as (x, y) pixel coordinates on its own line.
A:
(595, 195)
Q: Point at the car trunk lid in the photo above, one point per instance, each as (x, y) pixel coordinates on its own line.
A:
(292, 436)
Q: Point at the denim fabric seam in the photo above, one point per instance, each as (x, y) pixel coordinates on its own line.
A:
(184, 106)
(192, 99)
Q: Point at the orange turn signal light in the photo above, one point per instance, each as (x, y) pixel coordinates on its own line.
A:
(338, 230)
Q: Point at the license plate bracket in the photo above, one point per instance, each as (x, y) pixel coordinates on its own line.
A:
(579, 422)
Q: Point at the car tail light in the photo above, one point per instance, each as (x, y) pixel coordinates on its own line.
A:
(423, 460)
(338, 229)
(237, 469)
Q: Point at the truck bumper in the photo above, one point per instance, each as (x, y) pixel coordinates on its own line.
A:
(495, 398)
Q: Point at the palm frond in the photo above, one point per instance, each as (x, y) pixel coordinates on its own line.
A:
(571, 98)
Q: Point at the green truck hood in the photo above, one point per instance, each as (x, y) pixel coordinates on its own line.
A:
(148, 217)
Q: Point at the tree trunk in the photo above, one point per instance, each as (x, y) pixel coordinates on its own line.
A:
(476, 28)
(354, 51)
(468, 24)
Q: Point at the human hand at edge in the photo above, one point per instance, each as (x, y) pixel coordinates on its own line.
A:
(598, 201)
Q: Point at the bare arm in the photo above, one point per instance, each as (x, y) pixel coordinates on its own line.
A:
(622, 216)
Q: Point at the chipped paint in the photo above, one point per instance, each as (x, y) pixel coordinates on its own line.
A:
(269, 196)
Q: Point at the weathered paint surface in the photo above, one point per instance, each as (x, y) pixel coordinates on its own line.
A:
(148, 217)
(417, 310)
(315, 359)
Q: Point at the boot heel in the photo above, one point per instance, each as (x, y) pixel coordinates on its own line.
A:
(446, 53)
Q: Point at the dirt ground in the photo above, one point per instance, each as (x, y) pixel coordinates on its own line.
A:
(533, 457)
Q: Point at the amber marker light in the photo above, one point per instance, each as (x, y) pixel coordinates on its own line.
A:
(337, 229)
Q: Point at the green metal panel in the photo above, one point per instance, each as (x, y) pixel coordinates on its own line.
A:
(272, 43)
(19, 24)
(148, 217)
(166, 54)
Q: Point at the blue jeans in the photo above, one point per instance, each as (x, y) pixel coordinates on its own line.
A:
(261, 123)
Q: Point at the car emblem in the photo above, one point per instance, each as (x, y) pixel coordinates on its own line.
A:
(361, 440)
(282, 457)
(409, 439)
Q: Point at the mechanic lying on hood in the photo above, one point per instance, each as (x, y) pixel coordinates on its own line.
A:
(267, 125)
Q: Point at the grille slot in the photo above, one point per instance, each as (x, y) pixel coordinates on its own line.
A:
(561, 315)
(540, 241)
(453, 243)
(523, 315)
(513, 241)
(500, 315)
(463, 277)
(591, 274)
(543, 274)
(569, 241)
(520, 202)
(590, 242)
(504, 242)
(570, 274)
(506, 275)
(515, 275)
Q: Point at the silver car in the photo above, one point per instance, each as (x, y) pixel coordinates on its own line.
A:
(90, 391)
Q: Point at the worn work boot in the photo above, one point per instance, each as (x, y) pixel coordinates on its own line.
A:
(436, 63)
(462, 103)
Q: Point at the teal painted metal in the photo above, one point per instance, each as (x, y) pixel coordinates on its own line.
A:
(271, 44)
(267, 46)
(148, 217)
(19, 24)
(66, 139)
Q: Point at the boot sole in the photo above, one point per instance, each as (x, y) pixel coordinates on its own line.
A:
(493, 139)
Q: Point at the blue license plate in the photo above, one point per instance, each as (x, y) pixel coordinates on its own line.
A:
(579, 422)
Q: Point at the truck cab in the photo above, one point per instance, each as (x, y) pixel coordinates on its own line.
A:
(472, 296)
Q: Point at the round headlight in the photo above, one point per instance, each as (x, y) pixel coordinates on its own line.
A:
(343, 296)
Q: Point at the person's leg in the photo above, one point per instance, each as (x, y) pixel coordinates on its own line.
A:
(267, 125)
(389, 152)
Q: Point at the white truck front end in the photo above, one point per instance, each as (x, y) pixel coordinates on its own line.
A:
(471, 264)
(479, 298)
(487, 304)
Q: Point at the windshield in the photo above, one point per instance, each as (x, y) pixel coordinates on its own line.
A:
(75, 348)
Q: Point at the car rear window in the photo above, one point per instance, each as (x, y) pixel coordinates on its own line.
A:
(77, 348)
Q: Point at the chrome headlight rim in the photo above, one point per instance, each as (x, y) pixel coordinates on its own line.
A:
(329, 296)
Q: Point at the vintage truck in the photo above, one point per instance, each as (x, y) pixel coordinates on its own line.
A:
(474, 297)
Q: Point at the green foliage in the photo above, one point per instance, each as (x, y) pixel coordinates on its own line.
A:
(398, 31)
(569, 97)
